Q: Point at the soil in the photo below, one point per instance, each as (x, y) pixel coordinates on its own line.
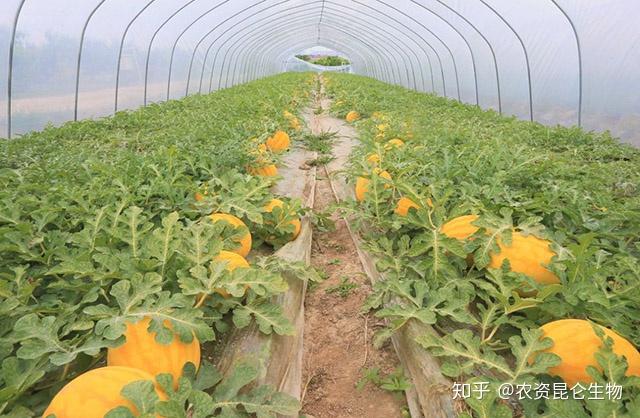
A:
(338, 336)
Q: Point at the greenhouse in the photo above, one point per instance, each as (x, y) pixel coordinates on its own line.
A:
(319, 208)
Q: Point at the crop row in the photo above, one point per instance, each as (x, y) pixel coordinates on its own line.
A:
(517, 243)
(124, 239)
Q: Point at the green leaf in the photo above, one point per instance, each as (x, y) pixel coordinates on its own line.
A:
(208, 376)
(488, 405)
(268, 316)
(527, 352)
(565, 408)
(162, 243)
(140, 298)
(241, 375)
(467, 351)
(142, 395)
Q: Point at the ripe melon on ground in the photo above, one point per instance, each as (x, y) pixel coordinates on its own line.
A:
(575, 341)
(279, 142)
(394, 143)
(362, 184)
(233, 261)
(269, 170)
(96, 392)
(527, 255)
(244, 240)
(403, 206)
(460, 227)
(373, 159)
(352, 116)
(277, 203)
(141, 351)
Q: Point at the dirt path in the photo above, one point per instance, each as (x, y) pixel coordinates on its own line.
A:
(338, 337)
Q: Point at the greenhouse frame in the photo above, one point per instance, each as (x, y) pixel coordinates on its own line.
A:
(319, 208)
(553, 61)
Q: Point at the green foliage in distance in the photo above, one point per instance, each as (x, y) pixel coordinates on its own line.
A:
(327, 61)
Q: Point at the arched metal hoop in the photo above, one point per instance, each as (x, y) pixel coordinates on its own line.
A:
(381, 53)
(453, 59)
(257, 55)
(12, 46)
(464, 39)
(255, 45)
(489, 44)
(396, 53)
(79, 61)
(153, 38)
(288, 11)
(402, 24)
(381, 66)
(526, 55)
(301, 43)
(260, 55)
(579, 50)
(175, 44)
(266, 55)
(313, 41)
(195, 48)
(399, 23)
(124, 37)
(265, 22)
(305, 43)
(334, 13)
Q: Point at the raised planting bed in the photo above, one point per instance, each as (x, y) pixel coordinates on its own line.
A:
(494, 232)
(115, 274)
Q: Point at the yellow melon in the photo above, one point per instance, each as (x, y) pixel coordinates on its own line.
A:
(141, 351)
(575, 341)
(244, 240)
(96, 392)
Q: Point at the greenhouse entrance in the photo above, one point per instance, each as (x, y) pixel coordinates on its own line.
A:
(319, 59)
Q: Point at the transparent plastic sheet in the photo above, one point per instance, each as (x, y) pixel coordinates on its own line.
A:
(379, 47)
(518, 57)
(510, 59)
(551, 50)
(294, 9)
(111, 27)
(7, 16)
(217, 46)
(138, 57)
(479, 49)
(372, 64)
(170, 44)
(334, 32)
(309, 41)
(361, 63)
(44, 65)
(610, 38)
(256, 43)
(450, 58)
